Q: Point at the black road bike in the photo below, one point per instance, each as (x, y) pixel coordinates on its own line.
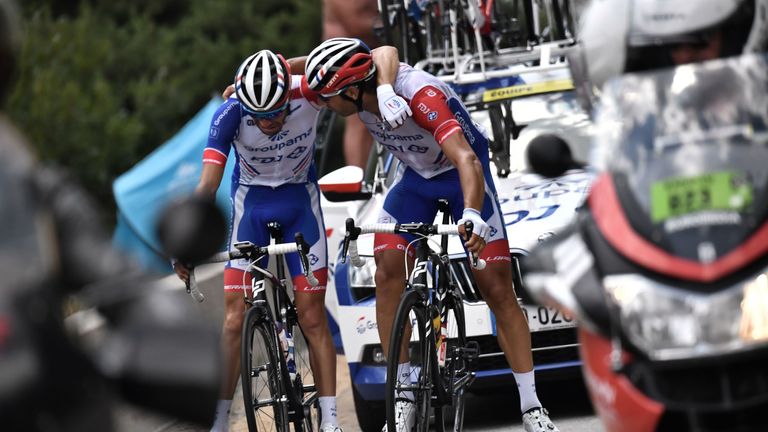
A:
(278, 385)
(441, 357)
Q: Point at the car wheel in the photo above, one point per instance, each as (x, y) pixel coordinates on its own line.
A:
(370, 414)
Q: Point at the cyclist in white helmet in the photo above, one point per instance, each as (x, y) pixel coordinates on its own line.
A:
(444, 154)
(269, 117)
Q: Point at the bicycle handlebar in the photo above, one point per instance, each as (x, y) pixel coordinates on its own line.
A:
(249, 250)
(353, 232)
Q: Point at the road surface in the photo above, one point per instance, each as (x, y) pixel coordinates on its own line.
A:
(568, 404)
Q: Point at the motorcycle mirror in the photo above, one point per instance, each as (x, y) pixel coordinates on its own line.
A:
(191, 230)
(550, 156)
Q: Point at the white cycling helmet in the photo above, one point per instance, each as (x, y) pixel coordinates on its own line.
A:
(338, 63)
(619, 36)
(263, 83)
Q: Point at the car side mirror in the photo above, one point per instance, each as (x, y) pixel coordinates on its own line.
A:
(344, 184)
(550, 156)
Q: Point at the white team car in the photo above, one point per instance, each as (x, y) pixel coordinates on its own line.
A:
(533, 207)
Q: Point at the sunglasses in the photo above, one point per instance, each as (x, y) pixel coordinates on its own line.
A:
(327, 96)
(267, 115)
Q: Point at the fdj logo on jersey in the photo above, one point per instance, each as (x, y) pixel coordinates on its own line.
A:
(267, 160)
(411, 148)
(297, 152)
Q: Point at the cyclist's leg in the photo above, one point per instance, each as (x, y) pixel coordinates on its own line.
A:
(496, 286)
(235, 281)
(310, 301)
(404, 203)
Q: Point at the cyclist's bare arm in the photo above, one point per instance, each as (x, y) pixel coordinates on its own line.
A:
(387, 61)
(461, 155)
(210, 179)
(385, 58)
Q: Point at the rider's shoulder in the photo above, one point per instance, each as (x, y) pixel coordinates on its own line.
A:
(228, 108)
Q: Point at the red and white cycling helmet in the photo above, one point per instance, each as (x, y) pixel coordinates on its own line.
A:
(338, 63)
(263, 83)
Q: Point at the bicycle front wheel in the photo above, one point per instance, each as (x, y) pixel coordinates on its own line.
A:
(261, 374)
(457, 372)
(304, 384)
(420, 344)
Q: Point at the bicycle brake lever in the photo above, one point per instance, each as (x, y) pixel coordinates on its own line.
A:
(303, 251)
(476, 262)
(351, 234)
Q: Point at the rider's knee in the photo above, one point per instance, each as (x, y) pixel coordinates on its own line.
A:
(313, 321)
(499, 294)
(233, 321)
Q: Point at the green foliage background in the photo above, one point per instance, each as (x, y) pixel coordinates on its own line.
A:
(102, 83)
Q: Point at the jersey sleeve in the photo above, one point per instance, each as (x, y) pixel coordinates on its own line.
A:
(224, 127)
(431, 112)
(300, 89)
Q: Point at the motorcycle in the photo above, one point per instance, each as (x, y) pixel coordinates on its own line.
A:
(666, 266)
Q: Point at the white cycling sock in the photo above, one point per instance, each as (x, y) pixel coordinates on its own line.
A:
(328, 410)
(526, 387)
(221, 421)
(404, 376)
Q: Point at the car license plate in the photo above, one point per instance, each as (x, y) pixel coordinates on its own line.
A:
(540, 318)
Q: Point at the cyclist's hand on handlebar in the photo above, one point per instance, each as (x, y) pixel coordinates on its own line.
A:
(228, 91)
(475, 244)
(481, 228)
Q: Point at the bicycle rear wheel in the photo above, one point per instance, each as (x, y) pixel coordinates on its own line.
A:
(261, 374)
(421, 346)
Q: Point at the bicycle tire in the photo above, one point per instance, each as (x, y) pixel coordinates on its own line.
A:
(261, 374)
(423, 360)
(304, 384)
(456, 368)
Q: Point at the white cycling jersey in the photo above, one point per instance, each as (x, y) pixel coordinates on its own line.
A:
(264, 160)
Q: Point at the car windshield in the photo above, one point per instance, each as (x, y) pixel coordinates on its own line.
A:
(691, 140)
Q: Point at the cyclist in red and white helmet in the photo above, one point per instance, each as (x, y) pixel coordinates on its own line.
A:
(340, 63)
(444, 155)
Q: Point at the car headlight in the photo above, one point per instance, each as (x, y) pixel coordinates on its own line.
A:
(361, 280)
(668, 323)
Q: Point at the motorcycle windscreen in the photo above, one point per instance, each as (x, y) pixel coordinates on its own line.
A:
(687, 148)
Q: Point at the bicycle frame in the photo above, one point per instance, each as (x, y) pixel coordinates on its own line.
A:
(431, 293)
(283, 312)
(437, 298)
